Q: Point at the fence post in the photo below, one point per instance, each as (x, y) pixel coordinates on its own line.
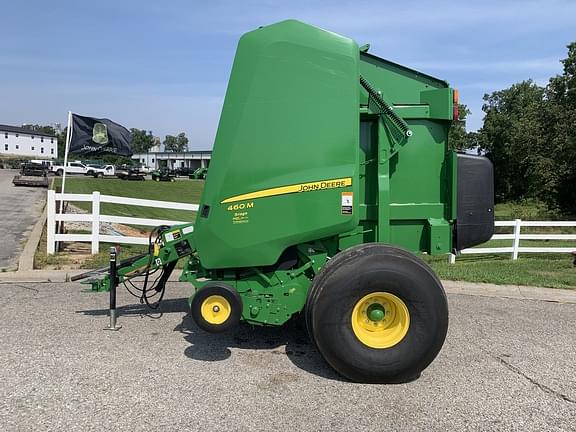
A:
(95, 222)
(516, 244)
(51, 222)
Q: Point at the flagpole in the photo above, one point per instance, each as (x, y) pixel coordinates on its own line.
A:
(67, 147)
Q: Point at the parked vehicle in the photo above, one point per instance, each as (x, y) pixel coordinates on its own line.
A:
(71, 168)
(44, 162)
(99, 171)
(125, 173)
(199, 174)
(32, 174)
(163, 174)
(145, 169)
(184, 171)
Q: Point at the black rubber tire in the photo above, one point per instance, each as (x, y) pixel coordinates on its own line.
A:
(221, 289)
(59, 173)
(358, 271)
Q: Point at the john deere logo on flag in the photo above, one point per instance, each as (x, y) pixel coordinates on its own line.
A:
(98, 136)
(100, 133)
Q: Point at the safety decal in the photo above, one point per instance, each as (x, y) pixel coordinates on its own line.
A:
(347, 202)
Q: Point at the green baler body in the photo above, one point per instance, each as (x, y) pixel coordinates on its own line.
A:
(298, 140)
(320, 147)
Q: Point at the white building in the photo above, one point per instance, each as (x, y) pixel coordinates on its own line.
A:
(173, 160)
(17, 141)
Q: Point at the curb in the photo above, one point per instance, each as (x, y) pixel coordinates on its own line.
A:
(26, 261)
(517, 292)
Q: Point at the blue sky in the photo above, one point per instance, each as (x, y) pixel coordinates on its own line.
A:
(164, 65)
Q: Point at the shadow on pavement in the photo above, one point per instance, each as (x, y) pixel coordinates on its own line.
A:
(216, 347)
(166, 306)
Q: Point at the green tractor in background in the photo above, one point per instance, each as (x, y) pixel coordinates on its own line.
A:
(199, 174)
(330, 173)
(163, 175)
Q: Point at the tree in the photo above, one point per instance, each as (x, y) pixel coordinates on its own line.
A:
(512, 138)
(458, 137)
(142, 140)
(177, 143)
(560, 125)
(61, 137)
(182, 141)
(170, 143)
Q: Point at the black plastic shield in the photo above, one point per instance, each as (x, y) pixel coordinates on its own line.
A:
(475, 216)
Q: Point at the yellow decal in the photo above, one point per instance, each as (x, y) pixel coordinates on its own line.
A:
(301, 187)
(241, 206)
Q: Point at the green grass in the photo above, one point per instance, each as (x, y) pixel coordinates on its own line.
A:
(102, 259)
(545, 270)
(184, 191)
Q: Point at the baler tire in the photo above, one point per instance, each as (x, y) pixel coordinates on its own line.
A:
(217, 290)
(319, 280)
(408, 288)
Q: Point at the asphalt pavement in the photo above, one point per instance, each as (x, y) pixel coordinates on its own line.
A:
(507, 364)
(20, 207)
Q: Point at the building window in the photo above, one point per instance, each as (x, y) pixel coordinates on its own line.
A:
(32, 137)
(51, 140)
(6, 135)
(51, 151)
(17, 135)
(152, 160)
(17, 146)
(42, 150)
(41, 139)
(32, 148)
(6, 147)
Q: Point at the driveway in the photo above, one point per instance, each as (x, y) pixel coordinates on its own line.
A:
(507, 365)
(20, 208)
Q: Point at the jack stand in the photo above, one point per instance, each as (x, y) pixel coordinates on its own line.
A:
(113, 283)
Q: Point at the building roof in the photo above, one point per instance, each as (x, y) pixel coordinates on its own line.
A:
(21, 130)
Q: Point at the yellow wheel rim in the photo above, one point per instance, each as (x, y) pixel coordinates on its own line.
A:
(380, 320)
(215, 309)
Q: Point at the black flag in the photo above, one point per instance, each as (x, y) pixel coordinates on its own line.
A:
(99, 136)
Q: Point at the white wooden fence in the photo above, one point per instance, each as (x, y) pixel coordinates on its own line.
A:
(95, 218)
(516, 236)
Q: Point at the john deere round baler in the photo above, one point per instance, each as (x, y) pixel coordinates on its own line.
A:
(330, 172)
